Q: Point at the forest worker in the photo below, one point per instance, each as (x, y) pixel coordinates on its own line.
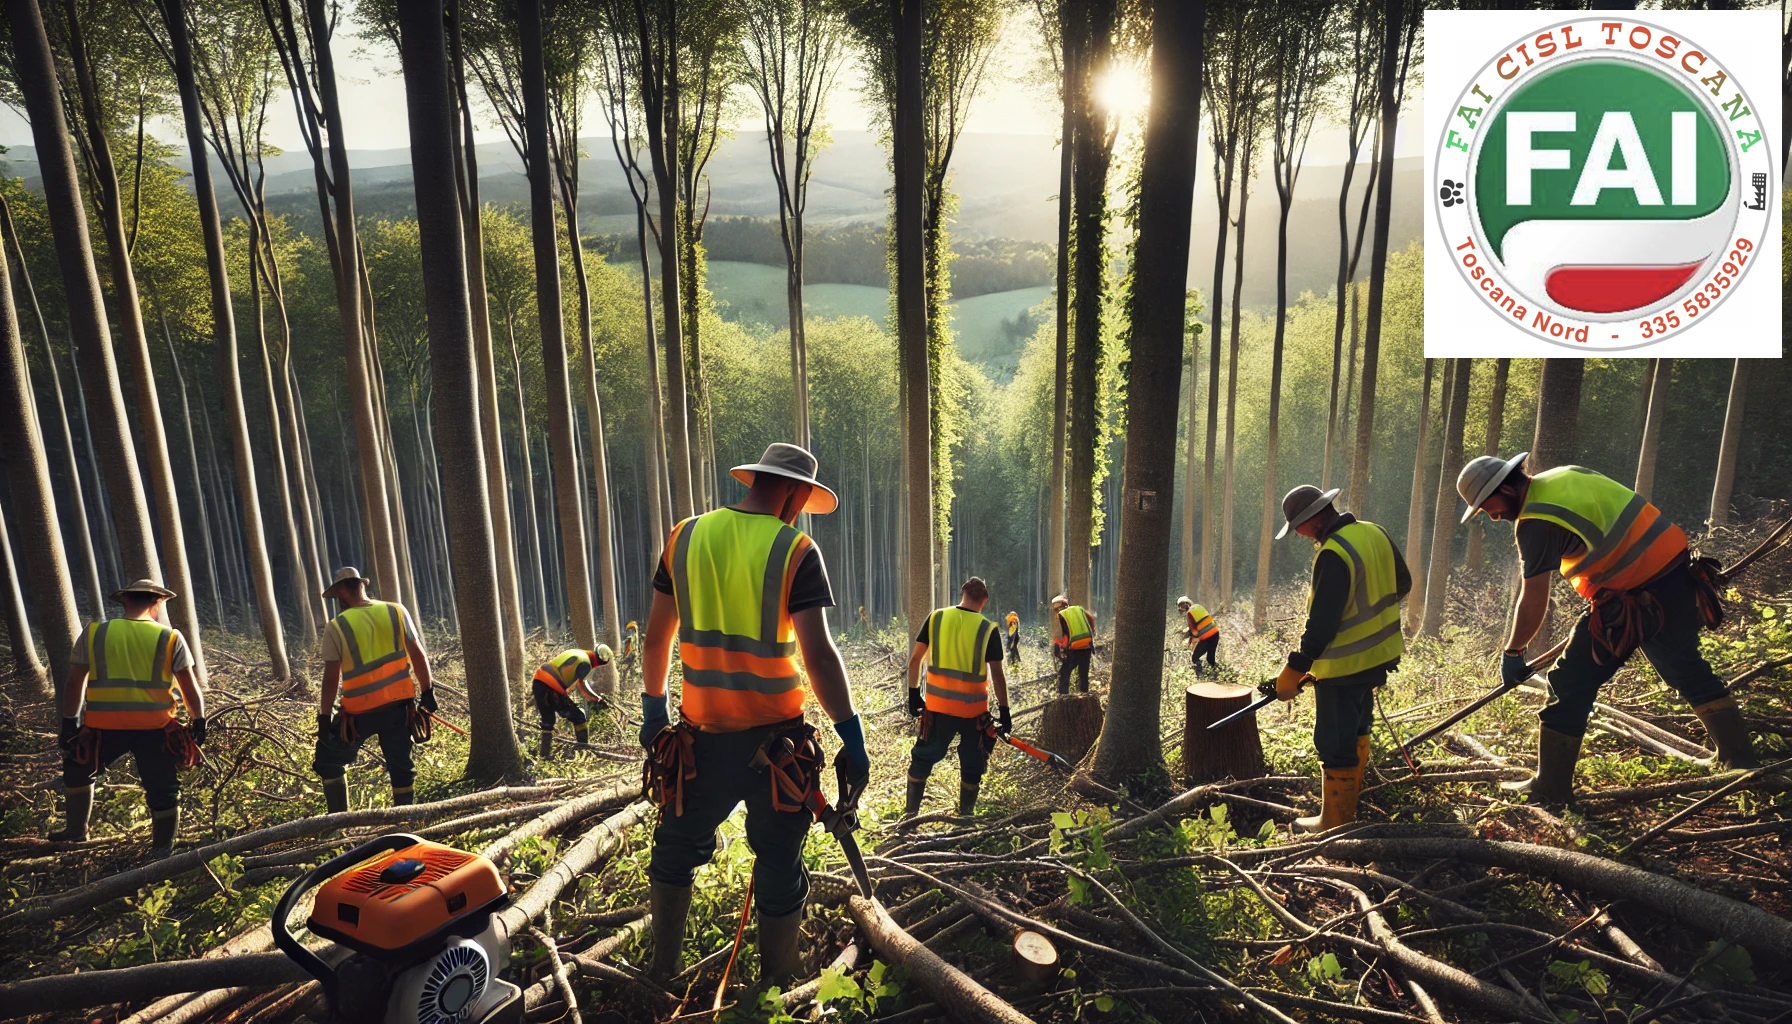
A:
(1014, 640)
(963, 651)
(631, 635)
(1351, 642)
(1622, 555)
(372, 652)
(126, 669)
(744, 591)
(1074, 643)
(1203, 635)
(555, 683)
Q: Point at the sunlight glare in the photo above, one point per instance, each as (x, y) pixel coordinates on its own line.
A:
(1123, 90)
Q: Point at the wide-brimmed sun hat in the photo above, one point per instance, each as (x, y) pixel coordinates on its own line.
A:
(142, 586)
(1302, 504)
(343, 575)
(793, 463)
(1482, 476)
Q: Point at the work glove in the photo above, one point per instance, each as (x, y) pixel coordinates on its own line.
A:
(1004, 724)
(654, 717)
(427, 699)
(71, 727)
(852, 751)
(196, 728)
(1289, 681)
(1513, 669)
(916, 704)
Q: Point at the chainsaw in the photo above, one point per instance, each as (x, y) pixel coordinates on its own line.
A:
(416, 933)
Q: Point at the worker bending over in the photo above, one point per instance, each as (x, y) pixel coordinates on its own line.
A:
(962, 651)
(1074, 643)
(1624, 557)
(555, 683)
(371, 652)
(1203, 635)
(126, 669)
(1014, 640)
(1351, 642)
(744, 590)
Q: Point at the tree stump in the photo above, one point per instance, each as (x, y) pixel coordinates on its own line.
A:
(1071, 725)
(1235, 751)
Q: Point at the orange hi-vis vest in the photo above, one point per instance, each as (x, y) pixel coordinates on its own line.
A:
(1081, 632)
(376, 665)
(130, 674)
(566, 670)
(1201, 624)
(1629, 542)
(957, 674)
(731, 574)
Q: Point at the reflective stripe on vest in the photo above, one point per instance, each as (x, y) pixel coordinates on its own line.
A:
(957, 674)
(130, 678)
(376, 666)
(1201, 624)
(1629, 542)
(1081, 632)
(1369, 632)
(561, 671)
(731, 574)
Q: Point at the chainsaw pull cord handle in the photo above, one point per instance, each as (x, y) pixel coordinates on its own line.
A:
(311, 962)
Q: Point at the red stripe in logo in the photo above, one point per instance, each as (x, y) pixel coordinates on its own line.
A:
(1615, 288)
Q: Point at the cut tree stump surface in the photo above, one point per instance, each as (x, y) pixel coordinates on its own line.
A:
(1235, 751)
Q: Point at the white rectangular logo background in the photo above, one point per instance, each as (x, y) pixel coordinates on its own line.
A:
(1635, 249)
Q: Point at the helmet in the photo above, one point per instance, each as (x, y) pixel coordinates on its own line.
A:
(631, 627)
(1060, 601)
(603, 655)
(1183, 601)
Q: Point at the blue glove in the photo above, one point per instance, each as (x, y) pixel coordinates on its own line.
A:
(852, 751)
(1513, 669)
(653, 717)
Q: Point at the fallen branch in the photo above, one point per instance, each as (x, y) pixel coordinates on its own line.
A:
(1703, 802)
(600, 841)
(60, 992)
(844, 963)
(559, 973)
(961, 998)
(563, 815)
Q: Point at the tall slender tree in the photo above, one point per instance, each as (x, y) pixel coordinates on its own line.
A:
(1557, 437)
(1729, 446)
(911, 304)
(1250, 124)
(27, 666)
(1360, 73)
(1069, 77)
(1660, 372)
(1415, 514)
(1444, 517)
(1496, 422)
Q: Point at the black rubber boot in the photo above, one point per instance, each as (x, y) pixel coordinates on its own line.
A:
(967, 798)
(546, 749)
(778, 958)
(669, 905)
(582, 734)
(403, 796)
(336, 794)
(1553, 785)
(162, 827)
(1729, 734)
(80, 809)
(917, 791)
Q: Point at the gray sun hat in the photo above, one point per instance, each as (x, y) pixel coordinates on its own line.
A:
(142, 586)
(1302, 504)
(792, 462)
(1482, 476)
(343, 575)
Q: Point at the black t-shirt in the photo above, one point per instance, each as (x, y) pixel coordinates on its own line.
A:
(1542, 545)
(991, 653)
(809, 588)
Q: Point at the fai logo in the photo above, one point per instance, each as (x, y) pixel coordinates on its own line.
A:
(1603, 183)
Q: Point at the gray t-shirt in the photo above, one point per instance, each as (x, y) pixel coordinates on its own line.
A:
(331, 644)
(182, 657)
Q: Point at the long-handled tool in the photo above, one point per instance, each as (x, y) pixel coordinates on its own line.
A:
(447, 723)
(1268, 689)
(1055, 760)
(1534, 666)
(841, 820)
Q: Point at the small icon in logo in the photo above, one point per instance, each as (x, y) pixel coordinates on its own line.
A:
(1451, 192)
(1760, 185)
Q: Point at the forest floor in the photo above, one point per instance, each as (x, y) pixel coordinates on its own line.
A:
(1447, 901)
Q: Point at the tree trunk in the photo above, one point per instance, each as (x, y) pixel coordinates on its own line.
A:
(911, 308)
(1159, 311)
(1496, 421)
(1660, 372)
(100, 513)
(1209, 505)
(1415, 511)
(1378, 255)
(1244, 201)
(1191, 572)
(1557, 438)
(533, 573)
(205, 519)
(1732, 441)
(799, 342)
(1455, 420)
(298, 579)
(224, 337)
(1054, 544)
(656, 430)
(1072, 724)
(659, 93)
(1232, 752)
(455, 386)
(26, 665)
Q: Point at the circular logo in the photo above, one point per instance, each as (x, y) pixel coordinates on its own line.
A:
(1603, 184)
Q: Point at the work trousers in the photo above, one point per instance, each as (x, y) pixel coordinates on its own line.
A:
(1342, 711)
(550, 702)
(391, 723)
(156, 767)
(1575, 680)
(1014, 649)
(1208, 648)
(1077, 661)
(682, 843)
(931, 749)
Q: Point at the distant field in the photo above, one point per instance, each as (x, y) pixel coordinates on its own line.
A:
(990, 329)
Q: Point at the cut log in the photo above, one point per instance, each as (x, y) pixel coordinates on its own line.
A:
(1235, 751)
(1071, 725)
(961, 998)
(1035, 958)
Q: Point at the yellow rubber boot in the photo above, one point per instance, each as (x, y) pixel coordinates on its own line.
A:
(1362, 753)
(1342, 787)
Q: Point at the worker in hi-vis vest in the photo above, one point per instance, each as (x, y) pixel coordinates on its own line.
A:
(963, 654)
(556, 682)
(1074, 643)
(1203, 635)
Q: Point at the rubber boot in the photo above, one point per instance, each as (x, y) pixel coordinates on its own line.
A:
(336, 794)
(162, 826)
(403, 796)
(80, 808)
(967, 798)
(778, 959)
(1362, 754)
(1723, 721)
(1554, 782)
(582, 734)
(1338, 806)
(669, 904)
(917, 791)
(546, 750)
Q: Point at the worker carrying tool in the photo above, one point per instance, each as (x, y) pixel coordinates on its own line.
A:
(1203, 636)
(555, 683)
(372, 653)
(631, 636)
(1631, 564)
(744, 590)
(963, 653)
(1013, 640)
(126, 670)
(1074, 643)
(1351, 641)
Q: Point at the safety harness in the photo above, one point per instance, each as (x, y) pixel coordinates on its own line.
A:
(671, 762)
(794, 759)
(176, 740)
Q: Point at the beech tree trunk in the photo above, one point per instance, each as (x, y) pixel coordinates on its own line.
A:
(533, 572)
(1732, 441)
(1244, 200)
(911, 310)
(205, 519)
(1447, 512)
(1415, 514)
(1496, 421)
(1054, 543)
(1557, 438)
(304, 585)
(26, 666)
(1226, 142)
(1660, 371)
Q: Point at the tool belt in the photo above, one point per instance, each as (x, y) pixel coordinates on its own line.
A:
(1621, 621)
(86, 748)
(1708, 586)
(422, 726)
(924, 726)
(671, 762)
(179, 743)
(794, 759)
(986, 732)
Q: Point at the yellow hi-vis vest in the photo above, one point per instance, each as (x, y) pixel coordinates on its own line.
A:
(1629, 542)
(1201, 624)
(376, 665)
(130, 674)
(957, 675)
(565, 670)
(731, 574)
(1081, 630)
(1369, 632)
